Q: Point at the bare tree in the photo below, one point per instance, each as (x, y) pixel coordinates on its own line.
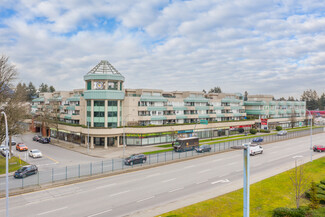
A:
(8, 73)
(299, 181)
(12, 101)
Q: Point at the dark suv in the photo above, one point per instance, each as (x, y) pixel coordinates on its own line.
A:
(135, 158)
(26, 171)
(44, 140)
(203, 148)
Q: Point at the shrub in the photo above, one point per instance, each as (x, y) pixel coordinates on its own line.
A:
(241, 130)
(265, 131)
(253, 131)
(278, 128)
(289, 212)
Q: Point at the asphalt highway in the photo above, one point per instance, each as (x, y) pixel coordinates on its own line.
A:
(156, 190)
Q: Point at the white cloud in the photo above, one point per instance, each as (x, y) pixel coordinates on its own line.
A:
(262, 47)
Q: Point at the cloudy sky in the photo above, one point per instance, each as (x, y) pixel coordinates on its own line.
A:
(263, 47)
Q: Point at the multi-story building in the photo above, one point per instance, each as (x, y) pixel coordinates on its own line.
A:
(105, 110)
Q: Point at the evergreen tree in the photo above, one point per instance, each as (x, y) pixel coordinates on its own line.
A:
(31, 91)
(314, 201)
(52, 89)
(311, 98)
(215, 90)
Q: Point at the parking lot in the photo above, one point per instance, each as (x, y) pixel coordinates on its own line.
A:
(53, 156)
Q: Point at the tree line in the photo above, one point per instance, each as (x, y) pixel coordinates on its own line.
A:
(32, 92)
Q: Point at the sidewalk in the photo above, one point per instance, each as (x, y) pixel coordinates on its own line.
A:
(117, 152)
(110, 152)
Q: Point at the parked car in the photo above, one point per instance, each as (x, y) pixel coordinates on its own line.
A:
(135, 158)
(3, 152)
(21, 147)
(257, 139)
(256, 150)
(26, 171)
(13, 142)
(203, 148)
(44, 140)
(34, 153)
(37, 138)
(319, 148)
(282, 133)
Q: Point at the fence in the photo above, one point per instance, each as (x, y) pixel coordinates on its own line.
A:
(111, 165)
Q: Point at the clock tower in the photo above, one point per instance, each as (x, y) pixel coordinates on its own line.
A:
(104, 95)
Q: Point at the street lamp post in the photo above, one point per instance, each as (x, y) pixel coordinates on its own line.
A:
(311, 136)
(7, 168)
(246, 148)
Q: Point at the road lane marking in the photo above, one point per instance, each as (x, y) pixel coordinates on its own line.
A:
(204, 171)
(51, 158)
(201, 182)
(123, 192)
(216, 160)
(148, 198)
(220, 181)
(100, 213)
(105, 186)
(177, 189)
(189, 167)
(43, 213)
(232, 163)
(168, 180)
(156, 174)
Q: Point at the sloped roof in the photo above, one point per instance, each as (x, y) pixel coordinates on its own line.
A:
(104, 67)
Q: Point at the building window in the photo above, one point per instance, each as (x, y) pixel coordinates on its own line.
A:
(111, 114)
(88, 103)
(112, 124)
(99, 103)
(99, 114)
(88, 85)
(112, 103)
(97, 124)
(88, 113)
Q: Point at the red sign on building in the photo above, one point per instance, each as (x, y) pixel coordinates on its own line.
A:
(263, 121)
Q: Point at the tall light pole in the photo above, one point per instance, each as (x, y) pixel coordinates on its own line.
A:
(311, 136)
(7, 168)
(246, 148)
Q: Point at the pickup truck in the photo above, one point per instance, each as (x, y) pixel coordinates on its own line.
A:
(319, 148)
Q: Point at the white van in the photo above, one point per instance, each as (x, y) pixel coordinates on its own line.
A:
(256, 150)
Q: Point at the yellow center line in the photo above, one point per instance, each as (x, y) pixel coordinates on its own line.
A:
(51, 159)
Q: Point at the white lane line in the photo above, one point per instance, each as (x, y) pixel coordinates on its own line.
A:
(220, 181)
(177, 189)
(189, 167)
(201, 182)
(100, 213)
(216, 160)
(156, 174)
(43, 213)
(148, 198)
(168, 180)
(123, 192)
(236, 171)
(232, 163)
(204, 171)
(105, 186)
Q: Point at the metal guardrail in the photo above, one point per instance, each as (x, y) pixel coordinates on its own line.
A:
(112, 165)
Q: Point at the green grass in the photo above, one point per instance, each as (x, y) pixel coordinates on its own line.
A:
(265, 196)
(164, 146)
(158, 151)
(14, 164)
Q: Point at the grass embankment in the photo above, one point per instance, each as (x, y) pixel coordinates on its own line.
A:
(265, 196)
(14, 164)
